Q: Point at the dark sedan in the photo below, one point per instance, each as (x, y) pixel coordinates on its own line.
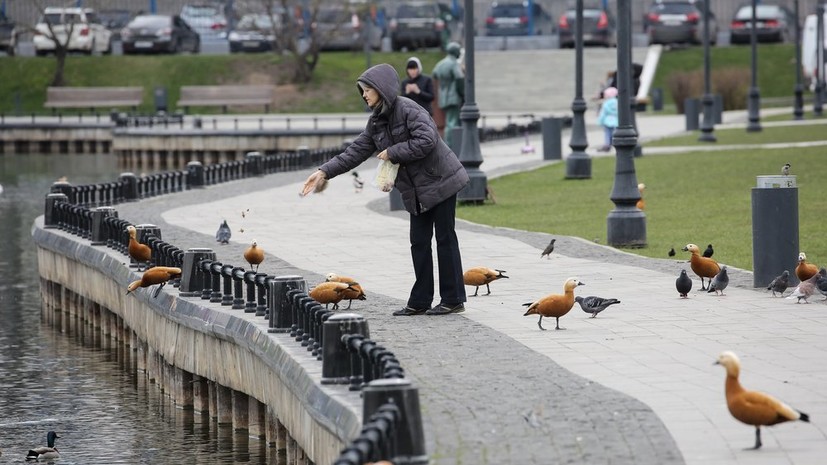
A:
(598, 28)
(774, 23)
(159, 34)
(681, 21)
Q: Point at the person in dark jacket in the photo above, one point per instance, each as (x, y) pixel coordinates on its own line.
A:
(418, 87)
(429, 178)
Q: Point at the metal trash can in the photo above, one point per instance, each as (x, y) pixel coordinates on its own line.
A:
(552, 129)
(691, 110)
(775, 245)
(718, 108)
(657, 99)
(160, 98)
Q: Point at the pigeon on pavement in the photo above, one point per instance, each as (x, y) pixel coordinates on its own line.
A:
(594, 305)
(804, 290)
(780, 283)
(683, 284)
(224, 233)
(719, 282)
(548, 250)
(821, 282)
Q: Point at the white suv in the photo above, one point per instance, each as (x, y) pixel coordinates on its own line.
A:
(88, 35)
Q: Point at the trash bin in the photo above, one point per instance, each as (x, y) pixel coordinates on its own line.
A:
(774, 228)
(552, 129)
(160, 96)
(657, 99)
(691, 109)
(718, 108)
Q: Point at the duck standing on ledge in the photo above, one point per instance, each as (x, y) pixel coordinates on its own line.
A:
(45, 452)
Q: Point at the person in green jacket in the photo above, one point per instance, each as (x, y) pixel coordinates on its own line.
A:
(451, 87)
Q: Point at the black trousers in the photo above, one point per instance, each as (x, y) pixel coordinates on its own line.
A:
(440, 219)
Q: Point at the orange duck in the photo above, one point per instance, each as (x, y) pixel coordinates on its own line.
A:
(155, 275)
(354, 293)
(481, 276)
(752, 407)
(254, 255)
(330, 292)
(641, 204)
(141, 253)
(702, 266)
(805, 270)
(554, 305)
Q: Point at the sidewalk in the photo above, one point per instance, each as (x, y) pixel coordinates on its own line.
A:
(635, 385)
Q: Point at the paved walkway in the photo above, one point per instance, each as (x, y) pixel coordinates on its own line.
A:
(636, 385)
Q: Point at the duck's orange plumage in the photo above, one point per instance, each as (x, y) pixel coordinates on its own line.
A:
(704, 267)
(254, 255)
(752, 407)
(355, 292)
(805, 270)
(481, 276)
(641, 204)
(554, 305)
(155, 275)
(330, 292)
(141, 253)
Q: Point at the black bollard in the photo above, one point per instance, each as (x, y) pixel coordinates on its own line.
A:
(142, 234)
(335, 356)
(691, 110)
(261, 291)
(552, 129)
(50, 220)
(775, 234)
(254, 164)
(62, 187)
(215, 286)
(250, 281)
(130, 186)
(99, 215)
(408, 436)
(279, 307)
(238, 288)
(192, 282)
(196, 176)
(227, 278)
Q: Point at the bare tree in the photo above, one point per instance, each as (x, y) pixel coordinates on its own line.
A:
(61, 45)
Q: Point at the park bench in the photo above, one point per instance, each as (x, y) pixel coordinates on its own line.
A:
(93, 97)
(224, 96)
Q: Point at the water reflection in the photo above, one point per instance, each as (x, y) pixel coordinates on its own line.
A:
(64, 380)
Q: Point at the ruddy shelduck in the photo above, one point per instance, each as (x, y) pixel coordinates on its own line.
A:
(805, 270)
(354, 293)
(482, 276)
(329, 292)
(155, 275)
(254, 255)
(554, 305)
(702, 266)
(753, 407)
(141, 253)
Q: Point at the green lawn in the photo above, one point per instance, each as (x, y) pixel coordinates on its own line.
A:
(775, 134)
(702, 198)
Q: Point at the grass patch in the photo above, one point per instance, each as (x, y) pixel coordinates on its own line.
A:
(777, 134)
(694, 197)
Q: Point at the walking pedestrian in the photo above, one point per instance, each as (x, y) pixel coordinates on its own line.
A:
(417, 86)
(448, 72)
(429, 178)
(608, 117)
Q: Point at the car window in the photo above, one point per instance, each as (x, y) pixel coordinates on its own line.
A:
(334, 16)
(673, 8)
(507, 10)
(51, 18)
(199, 10)
(761, 11)
(92, 18)
(150, 21)
(416, 11)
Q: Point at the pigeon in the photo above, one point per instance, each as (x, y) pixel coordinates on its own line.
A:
(671, 252)
(554, 305)
(704, 267)
(821, 282)
(594, 305)
(719, 282)
(481, 275)
(805, 270)
(780, 283)
(753, 407)
(254, 255)
(358, 183)
(155, 275)
(708, 252)
(548, 250)
(683, 284)
(224, 233)
(804, 290)
(785, 170)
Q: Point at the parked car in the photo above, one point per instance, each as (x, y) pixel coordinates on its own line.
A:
(678, 21)
(115, 20)
(774, 23)
(8, 35)
(341, 28)
(254, 33)
(418, 24)
(207, 19)
(87, 33)
(159, 34)
(515, 19)
(599, 27)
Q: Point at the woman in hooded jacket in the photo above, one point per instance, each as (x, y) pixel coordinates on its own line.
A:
(430, 176)
(417, 86)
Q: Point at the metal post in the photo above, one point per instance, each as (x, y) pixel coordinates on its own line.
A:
(708, 124)
(819, 91)
(578, 164)
(470, 155)
(798, 90)
(626, 224)
(754, 95)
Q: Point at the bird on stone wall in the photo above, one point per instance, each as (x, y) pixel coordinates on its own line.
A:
(330, 292)
(141, 253)
(481, 275)
(254, 255)
(354, 293)
(155, 275)
(554, 305)
(224, 233)
(753, 407)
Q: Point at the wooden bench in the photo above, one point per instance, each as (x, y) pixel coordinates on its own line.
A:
(93, 97)
(223, 96)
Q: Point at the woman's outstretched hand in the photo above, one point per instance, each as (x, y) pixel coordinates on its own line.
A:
(314, 183)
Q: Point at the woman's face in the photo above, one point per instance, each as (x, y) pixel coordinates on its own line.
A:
(370, 95)
(413, 72)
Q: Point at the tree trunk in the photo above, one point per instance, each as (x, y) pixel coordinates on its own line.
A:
(60, 65)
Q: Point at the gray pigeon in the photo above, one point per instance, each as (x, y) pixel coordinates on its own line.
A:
(223, 234)
(683, 284)
(594, 305)
(719, 282)
(821, 282)
(780, 283)
(548, 250)
(805, 289)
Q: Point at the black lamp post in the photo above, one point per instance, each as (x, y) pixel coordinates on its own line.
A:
(470, 155)
(626, 224)
(708, 124)
(578, 164)
(798, 107)
(754, 96)
(819, 91)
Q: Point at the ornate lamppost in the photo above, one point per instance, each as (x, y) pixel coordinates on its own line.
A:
(819, 91)
(626, 224)
(578, 164)
(470, 155)
(798, 90)
(754, 95)
(708, 124)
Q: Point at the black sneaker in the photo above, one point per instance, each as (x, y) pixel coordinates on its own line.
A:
(444, 309)
(408, 311)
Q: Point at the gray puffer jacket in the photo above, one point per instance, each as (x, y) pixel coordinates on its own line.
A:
(429, 172)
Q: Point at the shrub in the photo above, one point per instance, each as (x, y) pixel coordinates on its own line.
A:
(683, 85)
(733, 86)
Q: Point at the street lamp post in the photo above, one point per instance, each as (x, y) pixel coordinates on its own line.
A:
(626, 224)
(754, 95)
(819, 91)
(798, 108)
(470, 155)
(708, 124)
(578, 164)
